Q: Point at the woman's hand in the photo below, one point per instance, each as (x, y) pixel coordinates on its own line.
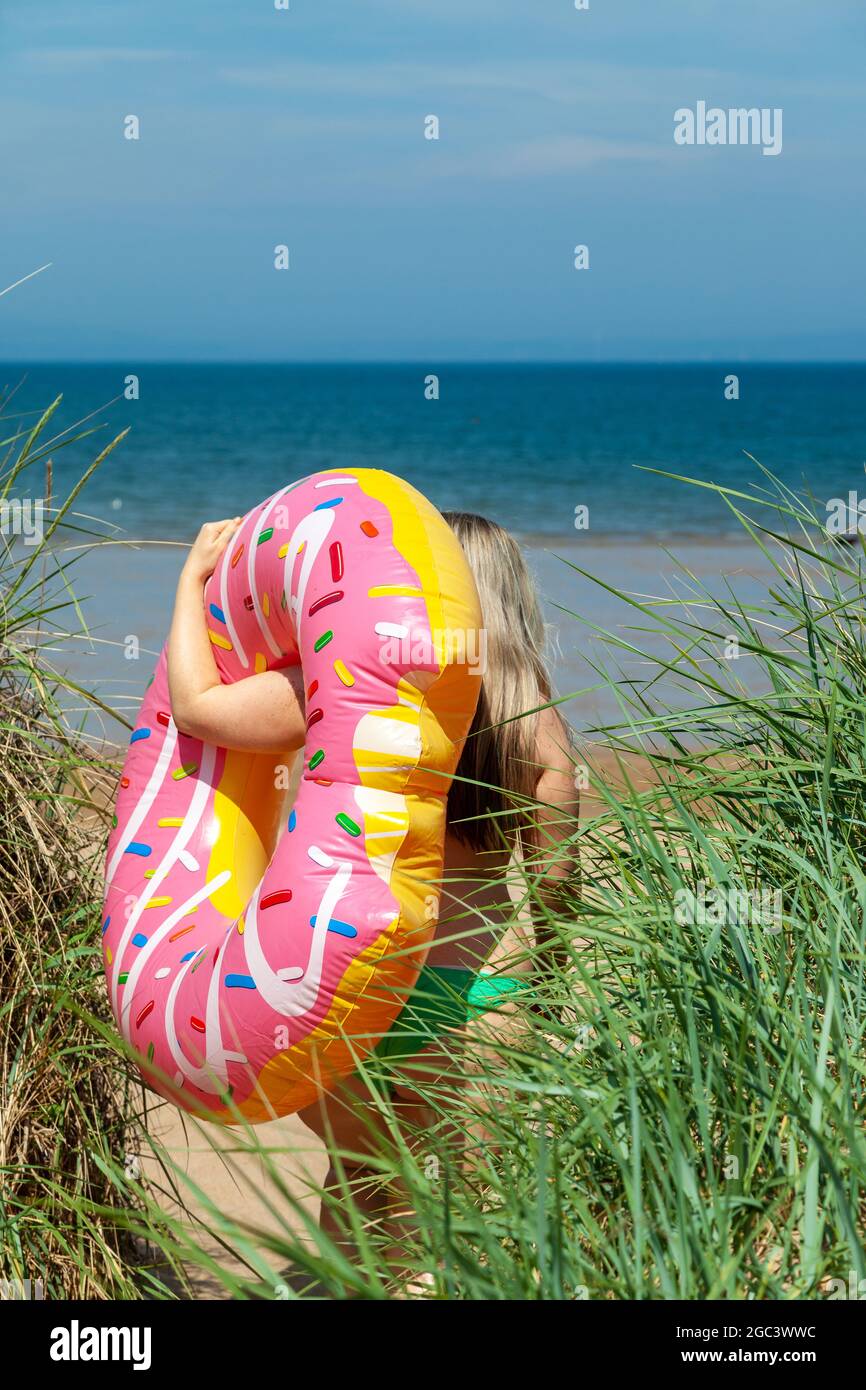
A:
(208, 546)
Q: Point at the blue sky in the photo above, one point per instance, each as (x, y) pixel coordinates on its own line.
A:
(305, 127)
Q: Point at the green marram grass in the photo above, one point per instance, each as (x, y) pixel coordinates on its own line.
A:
(680, 1112)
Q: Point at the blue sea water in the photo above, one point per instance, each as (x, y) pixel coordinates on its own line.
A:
(523, 444)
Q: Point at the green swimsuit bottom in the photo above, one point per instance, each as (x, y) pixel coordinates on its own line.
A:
(445, 997)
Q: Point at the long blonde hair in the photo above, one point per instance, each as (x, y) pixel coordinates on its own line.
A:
(500, 750)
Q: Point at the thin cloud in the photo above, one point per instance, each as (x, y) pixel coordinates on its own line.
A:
(59, 59)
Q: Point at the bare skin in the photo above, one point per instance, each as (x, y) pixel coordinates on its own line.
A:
(476, 927)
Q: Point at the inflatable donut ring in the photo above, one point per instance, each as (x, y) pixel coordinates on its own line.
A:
(253, 957)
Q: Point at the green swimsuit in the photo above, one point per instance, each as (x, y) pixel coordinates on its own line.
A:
(445, 997)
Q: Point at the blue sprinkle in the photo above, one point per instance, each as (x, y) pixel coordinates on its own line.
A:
(218, 613)
(140, 734)
(341, 928)
(136, 847)
(189, 955)
(293, 820)
(106, 926)
(240, 982)
(322, 506)
(139, 939)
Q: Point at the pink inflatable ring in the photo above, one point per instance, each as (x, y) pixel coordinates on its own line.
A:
(252, 958)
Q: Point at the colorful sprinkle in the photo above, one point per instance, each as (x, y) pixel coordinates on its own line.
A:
(323, 641)
(341, 928)
(248, 603)
(323, 506)
(283, 599)
(319, 857)
(124, 781)
(239, 982)
(314, 685)
(343, 672)
(293, 820)
(318, 757)
(188, 860)
(150, 1051)
(336, 553)
(139, 939)
(395, 591)
(136, 847)
(261, 663)
(219, 641)
(190, 955)
(197, 1024)
(323, 781)
(314, 716)
(163, 718)
(161, 974)
(108, 954)
(114, 822)
(237, 555)
(325, 601)
(266, 605)
(159, 902)
(282, 895)
(186, 770)
(145, 1013)
(241, 925)
(169, 820)
(217, 612)
(202, 957)
(265, 535)
(106, 924)
(346, 823)
(122, 977)
(149, 873)
(369, 529)
(182, 932)
(283, 551)
(139, 734)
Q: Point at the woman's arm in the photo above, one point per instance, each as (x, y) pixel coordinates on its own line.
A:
(550, 859)
(263, 713)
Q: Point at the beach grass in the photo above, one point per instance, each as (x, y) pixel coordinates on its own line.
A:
(679, 1112)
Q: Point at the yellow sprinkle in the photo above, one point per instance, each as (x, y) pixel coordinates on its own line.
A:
(170, 820)
(283, 552)
(159, 902)
(300, 547)
(266, 605)
(108, 955)
(395, 591)
(345, 675)
(261, 663)
(149, 873)
(191, 910)
(241, 927)
(218, 640)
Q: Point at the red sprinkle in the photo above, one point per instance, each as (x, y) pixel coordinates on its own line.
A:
(124, 781)
(369, 529)
(323, 781)
(183, 931)
(148, 1009)
(163, 718)
(336, 554)
(237, 555)
(248, 603)
(312, 690)
(197, 1024)
(314, 717)
(324, 602)
(282, 895)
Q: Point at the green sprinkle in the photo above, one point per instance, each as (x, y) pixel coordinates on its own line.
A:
(283, 599)
(150, 1051)
(346, 823)
(122, 979)
(323, 641)
(198, 962)
(265, 536)
(150, 682)
(318, 757)
(186, 771)
(114, 822)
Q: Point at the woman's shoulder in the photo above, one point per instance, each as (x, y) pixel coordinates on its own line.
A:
(555, 758)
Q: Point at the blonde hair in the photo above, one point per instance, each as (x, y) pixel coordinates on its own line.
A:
(500, 751)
